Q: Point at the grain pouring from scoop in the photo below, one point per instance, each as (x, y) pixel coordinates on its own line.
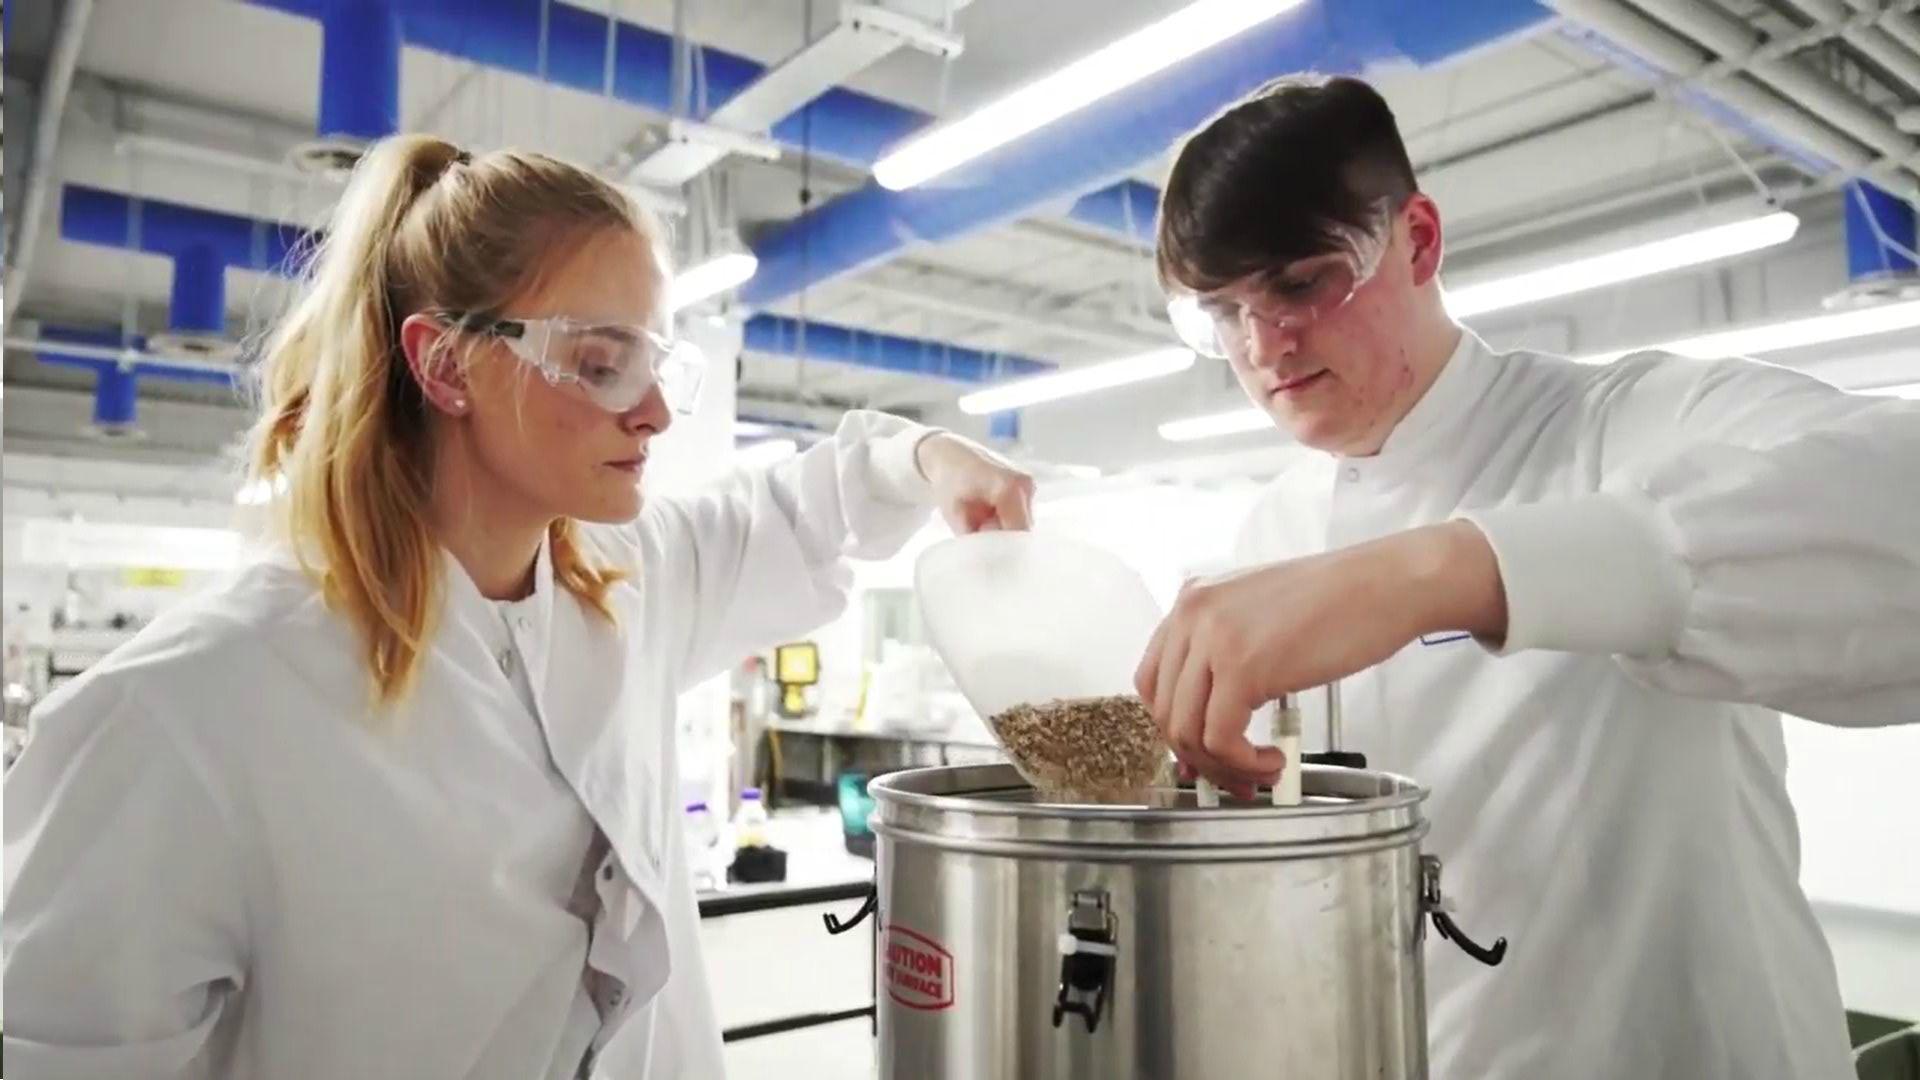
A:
(1101, 749)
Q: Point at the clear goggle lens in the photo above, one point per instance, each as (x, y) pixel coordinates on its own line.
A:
(1216, 325)
(612, 365)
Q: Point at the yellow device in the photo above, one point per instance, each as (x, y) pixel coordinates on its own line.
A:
(796, 667)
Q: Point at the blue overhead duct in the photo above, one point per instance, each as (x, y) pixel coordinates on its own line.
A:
(850, 127)
(90, 215)
(1128, 209)
(202, 244)
(1882, 233)
(359, 69)
(116, 382)
(781, 336)
(199, 301)
(506, 34)
(1119, 132)
(116, 393)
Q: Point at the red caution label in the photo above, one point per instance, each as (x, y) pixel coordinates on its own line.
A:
(917, 970)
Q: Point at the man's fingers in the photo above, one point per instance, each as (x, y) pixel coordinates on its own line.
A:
(1229, 711)
(1191, 737)
(1186, 723)
(1173, 657)
(1147, 675)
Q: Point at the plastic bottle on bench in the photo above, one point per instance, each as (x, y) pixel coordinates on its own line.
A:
(703, 838)
(750, 821)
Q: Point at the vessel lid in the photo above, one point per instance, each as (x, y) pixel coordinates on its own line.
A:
(990, 809)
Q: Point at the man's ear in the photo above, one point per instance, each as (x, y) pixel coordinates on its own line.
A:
(1426, 237)
(428, 345)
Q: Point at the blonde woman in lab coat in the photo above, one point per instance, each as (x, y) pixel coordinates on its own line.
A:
(1655, 556)
(401, 802)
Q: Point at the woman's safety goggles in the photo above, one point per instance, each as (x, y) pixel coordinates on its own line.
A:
(612, 365)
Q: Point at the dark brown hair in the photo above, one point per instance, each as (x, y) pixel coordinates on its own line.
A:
(1276, 176)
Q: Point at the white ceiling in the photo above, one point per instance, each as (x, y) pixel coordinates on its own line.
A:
(1528, 136)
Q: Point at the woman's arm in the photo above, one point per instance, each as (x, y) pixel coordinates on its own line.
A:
(764, 556)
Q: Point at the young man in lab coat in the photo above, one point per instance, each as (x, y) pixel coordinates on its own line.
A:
(1572, 599)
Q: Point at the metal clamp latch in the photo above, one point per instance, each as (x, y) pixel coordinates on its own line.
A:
(837, 925)
(1087, 952)
(1434, 903)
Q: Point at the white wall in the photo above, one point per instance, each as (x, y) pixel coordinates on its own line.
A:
(1859, 813)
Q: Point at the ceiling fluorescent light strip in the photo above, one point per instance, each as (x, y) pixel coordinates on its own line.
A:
(1075, 381)
(1786, 334)
(1628, 264)
(1151, 49)
(711, 278)
(1215, 425)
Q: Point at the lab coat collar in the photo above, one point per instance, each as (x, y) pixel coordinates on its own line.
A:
(472, 612)
(465, 598)
(1436, 419)
(578, 668)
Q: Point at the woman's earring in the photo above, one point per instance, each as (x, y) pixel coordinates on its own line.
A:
(459, 405)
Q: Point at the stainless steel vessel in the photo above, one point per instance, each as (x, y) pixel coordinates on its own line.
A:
(1019, 939)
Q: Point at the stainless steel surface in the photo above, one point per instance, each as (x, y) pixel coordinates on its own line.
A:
(1243, 941)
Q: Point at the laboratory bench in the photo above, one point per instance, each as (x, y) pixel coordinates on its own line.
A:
(812, 753)
(782, 982)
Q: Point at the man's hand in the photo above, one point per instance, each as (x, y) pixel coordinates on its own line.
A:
(976, 489)
(1236, 642)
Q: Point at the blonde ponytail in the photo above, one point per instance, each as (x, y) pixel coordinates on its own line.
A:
(343, 421)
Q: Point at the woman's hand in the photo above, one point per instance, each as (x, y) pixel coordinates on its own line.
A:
(1234, 643)
(975, 488)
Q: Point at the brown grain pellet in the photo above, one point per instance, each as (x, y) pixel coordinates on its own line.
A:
(1103, 749)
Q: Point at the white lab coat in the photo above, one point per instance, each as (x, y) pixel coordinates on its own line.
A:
(1686, 547)
(218, 865)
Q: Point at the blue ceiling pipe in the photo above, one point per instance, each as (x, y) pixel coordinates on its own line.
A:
(782, 336)
(116, 395)
(202, 244)
(1119, 132)
(1128, 210)
(90, 215)
(359, 69)
(1868, 255)
(202, 238)
(135, 346)
(845, 125)
(506, 34)
(116, 383)
(199, 301)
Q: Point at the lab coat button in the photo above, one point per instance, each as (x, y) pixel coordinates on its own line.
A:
(506, 662)
(1352, 475)
(606, 872)
(525, 624)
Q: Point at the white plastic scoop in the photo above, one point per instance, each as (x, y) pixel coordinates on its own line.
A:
(1025, 618)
